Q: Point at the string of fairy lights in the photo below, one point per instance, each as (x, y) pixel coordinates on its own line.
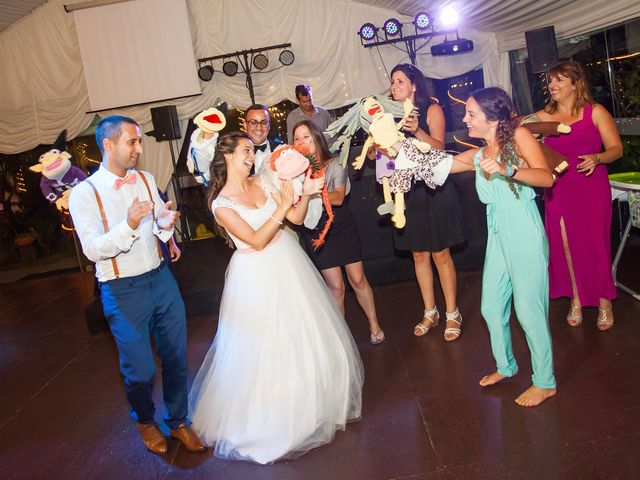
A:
(278, 120)
(21, 185)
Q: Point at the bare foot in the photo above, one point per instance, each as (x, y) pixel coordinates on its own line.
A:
(533, 396)
(491, 379)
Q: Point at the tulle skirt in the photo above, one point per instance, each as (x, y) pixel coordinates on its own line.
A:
(283, 372)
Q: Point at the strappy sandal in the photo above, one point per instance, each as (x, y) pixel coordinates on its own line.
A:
(574, 317)
(376, 338)
(604, 321)
(432, 316)
(453, 332)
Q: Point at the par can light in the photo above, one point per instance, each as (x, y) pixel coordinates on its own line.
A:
(260, 61)
(368, 31)
(205, 73)
(230, 68)
(422, 21)
(286, 57)
(392, 27)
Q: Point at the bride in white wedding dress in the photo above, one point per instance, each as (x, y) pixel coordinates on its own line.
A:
(283, 372)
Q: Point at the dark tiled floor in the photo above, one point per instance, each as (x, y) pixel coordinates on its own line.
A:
(63, 413)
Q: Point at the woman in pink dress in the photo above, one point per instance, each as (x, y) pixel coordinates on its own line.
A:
(578, 206)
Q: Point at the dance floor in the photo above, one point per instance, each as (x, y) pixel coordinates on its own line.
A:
(64, 415)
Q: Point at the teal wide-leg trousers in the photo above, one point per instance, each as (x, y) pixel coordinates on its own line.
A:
(516, 267)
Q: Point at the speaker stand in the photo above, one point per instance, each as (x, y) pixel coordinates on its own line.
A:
(175, 181)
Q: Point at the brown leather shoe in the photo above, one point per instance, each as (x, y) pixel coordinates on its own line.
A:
(189, 439)
(153, 438)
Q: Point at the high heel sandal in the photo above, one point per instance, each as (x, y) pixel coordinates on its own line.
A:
(454, 331)
(574, 317)
(434, 318)
(604, 321)
(376, 338)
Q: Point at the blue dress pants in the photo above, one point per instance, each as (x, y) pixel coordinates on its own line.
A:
(140, 308)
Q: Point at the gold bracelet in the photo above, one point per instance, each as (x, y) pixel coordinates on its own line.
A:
(276, 220)
(598, 160)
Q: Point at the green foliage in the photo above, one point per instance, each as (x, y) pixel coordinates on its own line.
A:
(630, 89)
(630, 161)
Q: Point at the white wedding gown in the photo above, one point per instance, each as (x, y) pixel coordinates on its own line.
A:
(283, 372)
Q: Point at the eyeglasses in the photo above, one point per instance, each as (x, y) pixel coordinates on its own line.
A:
(255, 123)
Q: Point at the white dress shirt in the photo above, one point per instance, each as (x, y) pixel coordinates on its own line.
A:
(135, 251)
(260, 157)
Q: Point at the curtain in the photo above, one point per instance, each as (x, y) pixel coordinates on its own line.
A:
(43, 90)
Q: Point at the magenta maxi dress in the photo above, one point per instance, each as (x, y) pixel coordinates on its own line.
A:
(585, 204)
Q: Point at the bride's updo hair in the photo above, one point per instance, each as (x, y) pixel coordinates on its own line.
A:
(227, 144)
(496, 105)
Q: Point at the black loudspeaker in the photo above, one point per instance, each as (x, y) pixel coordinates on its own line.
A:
(542, 48)
(165, 122)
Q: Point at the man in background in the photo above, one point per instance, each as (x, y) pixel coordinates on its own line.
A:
(306, 111)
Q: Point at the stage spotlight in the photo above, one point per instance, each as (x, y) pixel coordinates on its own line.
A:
(392, 27)
(449, 17)
(260, 61)
(230, 68)
(422, 21)
(452, 47)
(286, 57)
(205, 73)
(368, 31)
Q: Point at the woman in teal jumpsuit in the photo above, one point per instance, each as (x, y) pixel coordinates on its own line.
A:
(517, 250)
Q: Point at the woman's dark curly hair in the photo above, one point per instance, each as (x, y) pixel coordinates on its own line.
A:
(218, 172)
(497, 106)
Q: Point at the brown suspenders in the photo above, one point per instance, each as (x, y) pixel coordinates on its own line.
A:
(153, 210)
(105, 224)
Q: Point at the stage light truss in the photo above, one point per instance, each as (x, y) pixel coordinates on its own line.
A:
(392, 32)
(244, 61)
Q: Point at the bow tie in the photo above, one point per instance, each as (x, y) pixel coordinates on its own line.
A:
(262, 147)
(130, 179)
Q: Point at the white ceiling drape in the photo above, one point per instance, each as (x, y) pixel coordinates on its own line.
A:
(42, 88)
(509, 19)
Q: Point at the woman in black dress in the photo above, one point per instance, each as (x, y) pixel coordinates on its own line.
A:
(342, 243)
(434, 218)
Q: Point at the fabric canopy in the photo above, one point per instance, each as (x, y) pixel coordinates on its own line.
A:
(43, 88)
(509, 19)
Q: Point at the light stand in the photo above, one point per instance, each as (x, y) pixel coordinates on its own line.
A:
(185, 232)
(409, 42)
(246, 60)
